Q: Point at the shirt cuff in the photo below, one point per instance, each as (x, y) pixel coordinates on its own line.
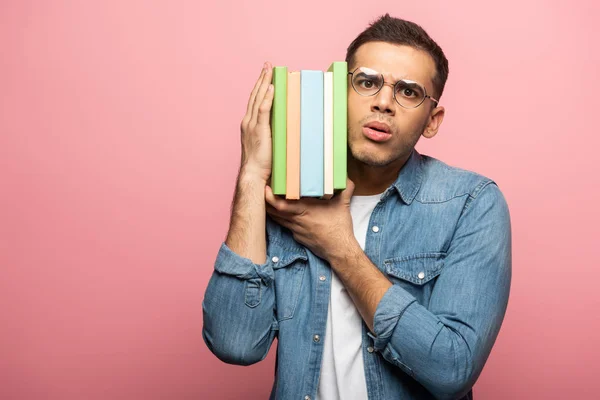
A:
(389, 311)
(233, 264)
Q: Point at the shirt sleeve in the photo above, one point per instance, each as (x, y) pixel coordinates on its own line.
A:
(444, 346)
(239, 322)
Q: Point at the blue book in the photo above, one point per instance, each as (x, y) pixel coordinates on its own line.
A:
(311, 134)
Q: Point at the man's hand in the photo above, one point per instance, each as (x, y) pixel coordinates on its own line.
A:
(256, 127)
(246, 235)
(323, 226)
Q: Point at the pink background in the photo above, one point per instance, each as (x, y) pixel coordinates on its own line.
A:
(119, 146)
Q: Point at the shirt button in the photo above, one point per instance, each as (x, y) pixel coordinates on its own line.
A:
(316, 338)
(370, 349)
(322, 278)
(375, 229)
(275, 259)
(421, 275)
(306, 397)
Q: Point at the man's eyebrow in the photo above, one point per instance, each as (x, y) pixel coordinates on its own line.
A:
(408, 78)
(393, 78)
(412, 83)
(373, 72)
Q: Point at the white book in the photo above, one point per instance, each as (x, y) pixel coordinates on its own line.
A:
(328, 134)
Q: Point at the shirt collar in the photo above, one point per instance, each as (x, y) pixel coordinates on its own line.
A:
(410, 177)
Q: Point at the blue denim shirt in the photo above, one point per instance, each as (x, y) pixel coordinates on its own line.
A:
(440, 234)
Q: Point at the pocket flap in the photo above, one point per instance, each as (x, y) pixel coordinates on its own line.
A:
(286, 258)
(417, 268)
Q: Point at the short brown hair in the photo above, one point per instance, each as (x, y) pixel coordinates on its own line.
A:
(398, 31)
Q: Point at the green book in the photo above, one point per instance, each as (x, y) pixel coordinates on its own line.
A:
(340, 123)
(279, 130)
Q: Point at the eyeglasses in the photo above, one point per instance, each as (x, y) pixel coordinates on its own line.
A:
(407, 93)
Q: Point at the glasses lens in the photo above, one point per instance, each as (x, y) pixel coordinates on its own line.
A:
(366, 81)
(409, 94)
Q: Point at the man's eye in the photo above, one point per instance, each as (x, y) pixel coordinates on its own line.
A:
(367, 84)
(409, 91)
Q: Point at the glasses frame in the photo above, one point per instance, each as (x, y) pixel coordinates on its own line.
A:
(393, 86)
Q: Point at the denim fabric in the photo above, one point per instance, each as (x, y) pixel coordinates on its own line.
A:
(443, 238)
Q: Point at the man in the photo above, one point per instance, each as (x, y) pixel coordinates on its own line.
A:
(395, 288)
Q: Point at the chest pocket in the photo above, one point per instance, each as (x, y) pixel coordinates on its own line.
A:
(289, 268)
(416, 273)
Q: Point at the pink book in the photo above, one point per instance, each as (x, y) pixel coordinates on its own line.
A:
(292, 191)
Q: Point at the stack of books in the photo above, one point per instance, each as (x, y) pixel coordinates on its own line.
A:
(309, 131)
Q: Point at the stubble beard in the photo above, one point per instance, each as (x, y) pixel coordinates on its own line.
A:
(380, 160)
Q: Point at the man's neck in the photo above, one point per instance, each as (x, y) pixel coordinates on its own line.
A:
(369, 180)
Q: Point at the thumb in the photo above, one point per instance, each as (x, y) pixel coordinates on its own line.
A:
(346, 194)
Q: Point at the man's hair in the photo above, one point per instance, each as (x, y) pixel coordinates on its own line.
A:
(401, 32)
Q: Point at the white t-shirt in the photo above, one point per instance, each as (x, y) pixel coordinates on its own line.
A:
(342, 370)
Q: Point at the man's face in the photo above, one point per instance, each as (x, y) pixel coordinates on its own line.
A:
(406, 125)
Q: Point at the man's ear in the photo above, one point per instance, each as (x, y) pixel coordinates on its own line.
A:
(433, 123)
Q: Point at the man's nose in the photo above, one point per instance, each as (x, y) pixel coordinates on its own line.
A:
(383, 101)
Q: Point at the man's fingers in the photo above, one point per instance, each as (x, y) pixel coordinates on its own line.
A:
(281, 221)
(346, 194)
(264, 111)
(260, 95)
(255, 91)
(281, 205)
(272, 200)
(272, 211)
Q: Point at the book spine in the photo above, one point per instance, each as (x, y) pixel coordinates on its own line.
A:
(292, 191)
(328, 134)
(311, 133)
(340, 123)
(278, 130)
